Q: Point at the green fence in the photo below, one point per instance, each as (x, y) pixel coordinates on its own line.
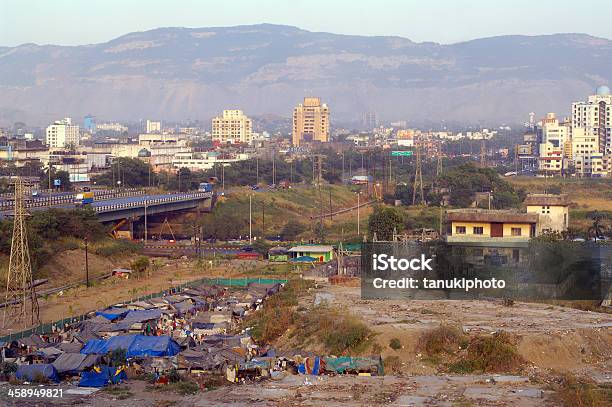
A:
(50, 327)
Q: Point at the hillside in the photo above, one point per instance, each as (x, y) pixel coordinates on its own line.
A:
(180, 73)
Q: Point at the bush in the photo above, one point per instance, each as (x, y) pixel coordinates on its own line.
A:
(117, 248)
(392, 364)
(395, 344)
(572, 392)
(140, 265)
(117, 357)
(444, 339)
(489, 354)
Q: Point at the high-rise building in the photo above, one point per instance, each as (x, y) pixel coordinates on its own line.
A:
(233, 127)
(153, 126)
(89, 123)
(310, 121)
(554, 135)
(63, 134)
(592, 125)
(369, 120)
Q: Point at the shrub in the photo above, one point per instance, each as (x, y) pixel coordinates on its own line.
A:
(117, 357)
(395, 344)
(444, 339)
(392, 364)
(489, 354)
(572, 392)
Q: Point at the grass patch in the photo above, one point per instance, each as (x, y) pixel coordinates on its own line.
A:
(112, 248)
(183, 388)
(489, 354)
(392, 364)
(119, 392)
(443, 339)
(571, 391)
(340, 332)
(278, 313)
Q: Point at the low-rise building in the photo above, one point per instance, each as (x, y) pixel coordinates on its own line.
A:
(553, 211)
(320, 253)
(491, 226)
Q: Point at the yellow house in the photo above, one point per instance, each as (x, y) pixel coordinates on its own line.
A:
(480, 225)
(553, 211)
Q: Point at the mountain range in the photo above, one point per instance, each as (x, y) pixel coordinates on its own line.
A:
(194, 73)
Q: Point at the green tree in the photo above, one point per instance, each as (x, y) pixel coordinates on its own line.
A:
(62, 175)
(140, 265)
(383, 221)
(132, 172)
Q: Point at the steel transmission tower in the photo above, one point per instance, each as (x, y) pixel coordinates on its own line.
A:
(21, 300)
(418, 177)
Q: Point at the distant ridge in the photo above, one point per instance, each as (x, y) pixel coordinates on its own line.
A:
(180, 73)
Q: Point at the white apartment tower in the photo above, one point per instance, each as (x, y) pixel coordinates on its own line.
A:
(592, 126)
(153, 126)
(233, 127)
(555, 138)
(62, 134)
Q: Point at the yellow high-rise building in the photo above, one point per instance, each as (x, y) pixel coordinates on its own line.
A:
(232, 127)
(310, 121)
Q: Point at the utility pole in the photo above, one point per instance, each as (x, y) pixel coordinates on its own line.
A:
(358, 208)
(223, 177)
(516, 156)
(250, 218)
(20, 288)
(86, 264)
(256, 170)
(418, 178)
(331, 216)
(273, 169)
(145, 220)
(483, 153)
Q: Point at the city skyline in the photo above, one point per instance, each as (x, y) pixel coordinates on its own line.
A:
(27, 21)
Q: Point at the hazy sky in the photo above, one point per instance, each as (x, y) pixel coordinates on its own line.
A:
(71, 22)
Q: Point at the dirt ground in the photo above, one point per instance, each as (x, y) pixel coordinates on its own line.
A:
(103, 293)
(552, 339)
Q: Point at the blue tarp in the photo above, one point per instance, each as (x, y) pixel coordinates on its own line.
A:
(107, 375)
(135, 345)
(31, 373)
(113, 313)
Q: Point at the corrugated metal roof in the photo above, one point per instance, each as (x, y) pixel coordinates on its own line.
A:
(312, 249)
(547, 199)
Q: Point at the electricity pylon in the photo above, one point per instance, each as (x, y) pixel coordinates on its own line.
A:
(21, 301)
(418, 177)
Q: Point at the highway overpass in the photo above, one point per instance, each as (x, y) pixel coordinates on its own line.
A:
(121, 205)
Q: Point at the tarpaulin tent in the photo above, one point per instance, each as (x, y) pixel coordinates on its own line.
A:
(69, 363)
(153, 346)
(135, 316)
(113, 313)
(36, 372)
(102, 376)
(345, 364)
(135, 345)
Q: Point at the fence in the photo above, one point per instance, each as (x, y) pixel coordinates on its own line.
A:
(50, 327)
